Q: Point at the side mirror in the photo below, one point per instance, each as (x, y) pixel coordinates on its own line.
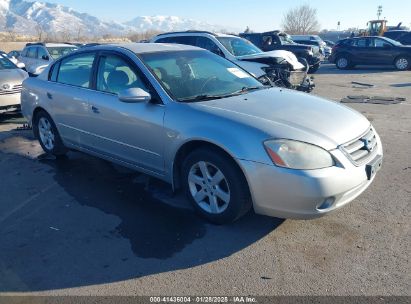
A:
(21, 65)
(45, 57)
(134, 95)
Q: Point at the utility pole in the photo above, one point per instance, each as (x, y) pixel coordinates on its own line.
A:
(379, 11)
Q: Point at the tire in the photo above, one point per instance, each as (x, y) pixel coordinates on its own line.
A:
(314, 68)
(402, 63)
(304, 62)
(343, 62)
(47, 134)
(223, 177)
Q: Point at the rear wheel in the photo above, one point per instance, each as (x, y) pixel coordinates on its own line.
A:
(46, 132)
(343, 62)
(215, 186)
(402, 63)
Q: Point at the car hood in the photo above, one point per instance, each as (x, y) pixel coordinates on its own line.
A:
(282, 113)
(288, 56)
(12, 76)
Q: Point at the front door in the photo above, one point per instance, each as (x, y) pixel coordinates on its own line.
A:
(129, 132)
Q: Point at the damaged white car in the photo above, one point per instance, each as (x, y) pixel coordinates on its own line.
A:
(280, 68)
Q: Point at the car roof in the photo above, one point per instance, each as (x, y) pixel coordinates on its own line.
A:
(59, 45)
(140, 48)
(194, 33)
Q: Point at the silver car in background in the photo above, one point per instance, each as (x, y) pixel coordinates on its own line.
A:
(203, 124)
(11, 78)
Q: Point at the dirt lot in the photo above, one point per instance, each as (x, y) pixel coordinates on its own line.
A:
(10, 46)
(82, 226)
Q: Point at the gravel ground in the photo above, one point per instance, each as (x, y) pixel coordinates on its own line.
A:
(82, 226)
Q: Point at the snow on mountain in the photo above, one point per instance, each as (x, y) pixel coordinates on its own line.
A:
(29, 18)
(170, 23)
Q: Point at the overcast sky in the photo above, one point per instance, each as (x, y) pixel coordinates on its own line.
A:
(259, 15)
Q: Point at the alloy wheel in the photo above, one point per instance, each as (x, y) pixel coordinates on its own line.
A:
(46, 133)
(401, 64)
(342, 62)
(209, 187)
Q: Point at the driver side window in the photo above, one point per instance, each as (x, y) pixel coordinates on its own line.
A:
(115, 75)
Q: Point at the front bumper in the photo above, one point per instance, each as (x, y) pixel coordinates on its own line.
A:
(9, 102)
(305, 194)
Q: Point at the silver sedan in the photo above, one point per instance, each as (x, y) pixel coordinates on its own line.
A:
(207, 127)
(11, 78)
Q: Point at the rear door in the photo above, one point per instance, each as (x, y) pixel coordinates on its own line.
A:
(361, 51)
(67, 95)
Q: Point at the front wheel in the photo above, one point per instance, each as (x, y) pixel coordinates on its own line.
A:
(216, 186)
(314, 68)
(402, 63)
(46, 132)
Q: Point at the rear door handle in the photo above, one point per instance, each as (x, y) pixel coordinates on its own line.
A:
(49, 95)
(95, 109)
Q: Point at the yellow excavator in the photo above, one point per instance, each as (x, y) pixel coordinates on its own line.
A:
(376, 28)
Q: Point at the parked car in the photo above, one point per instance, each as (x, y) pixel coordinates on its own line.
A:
(11, 78)
(276, 40)
(279, 67)
(395, 34)
(371, 50)
(206, 126)
(402, 36)
(322, 46)
(309, 38)
(329, 43)
(37, 56)
(14, 54)
(14, 60)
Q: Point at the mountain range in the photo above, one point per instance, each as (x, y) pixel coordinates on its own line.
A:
(30, 18)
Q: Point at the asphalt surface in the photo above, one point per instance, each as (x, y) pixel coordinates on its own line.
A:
(82, 226)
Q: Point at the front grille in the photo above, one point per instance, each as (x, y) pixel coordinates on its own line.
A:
(13, 90)
(362, 149)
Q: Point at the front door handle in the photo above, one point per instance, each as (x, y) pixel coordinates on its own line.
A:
(49, 95)
(95, 109)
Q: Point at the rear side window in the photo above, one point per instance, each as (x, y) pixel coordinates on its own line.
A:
(24, 53)
(76, 70)
(361, 43)
(187, 40)
(32, 52)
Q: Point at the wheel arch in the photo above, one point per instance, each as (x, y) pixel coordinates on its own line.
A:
(185, 149)
(408, 56)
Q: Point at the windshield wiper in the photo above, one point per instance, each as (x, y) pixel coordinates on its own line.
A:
(202, 97)
(205, 97)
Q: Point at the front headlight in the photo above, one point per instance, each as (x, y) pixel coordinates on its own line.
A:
(311, 53)
(297, 155)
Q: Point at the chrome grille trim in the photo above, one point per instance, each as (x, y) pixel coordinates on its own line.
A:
(14, 90)
(362, 149)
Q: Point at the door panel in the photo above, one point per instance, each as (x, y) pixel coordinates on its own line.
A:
(130, 132)
(68, 96)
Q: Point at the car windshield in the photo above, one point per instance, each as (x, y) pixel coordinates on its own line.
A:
(6, 64)
(57, 52)
(239, 46)
(396, 43)
(199, 75)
